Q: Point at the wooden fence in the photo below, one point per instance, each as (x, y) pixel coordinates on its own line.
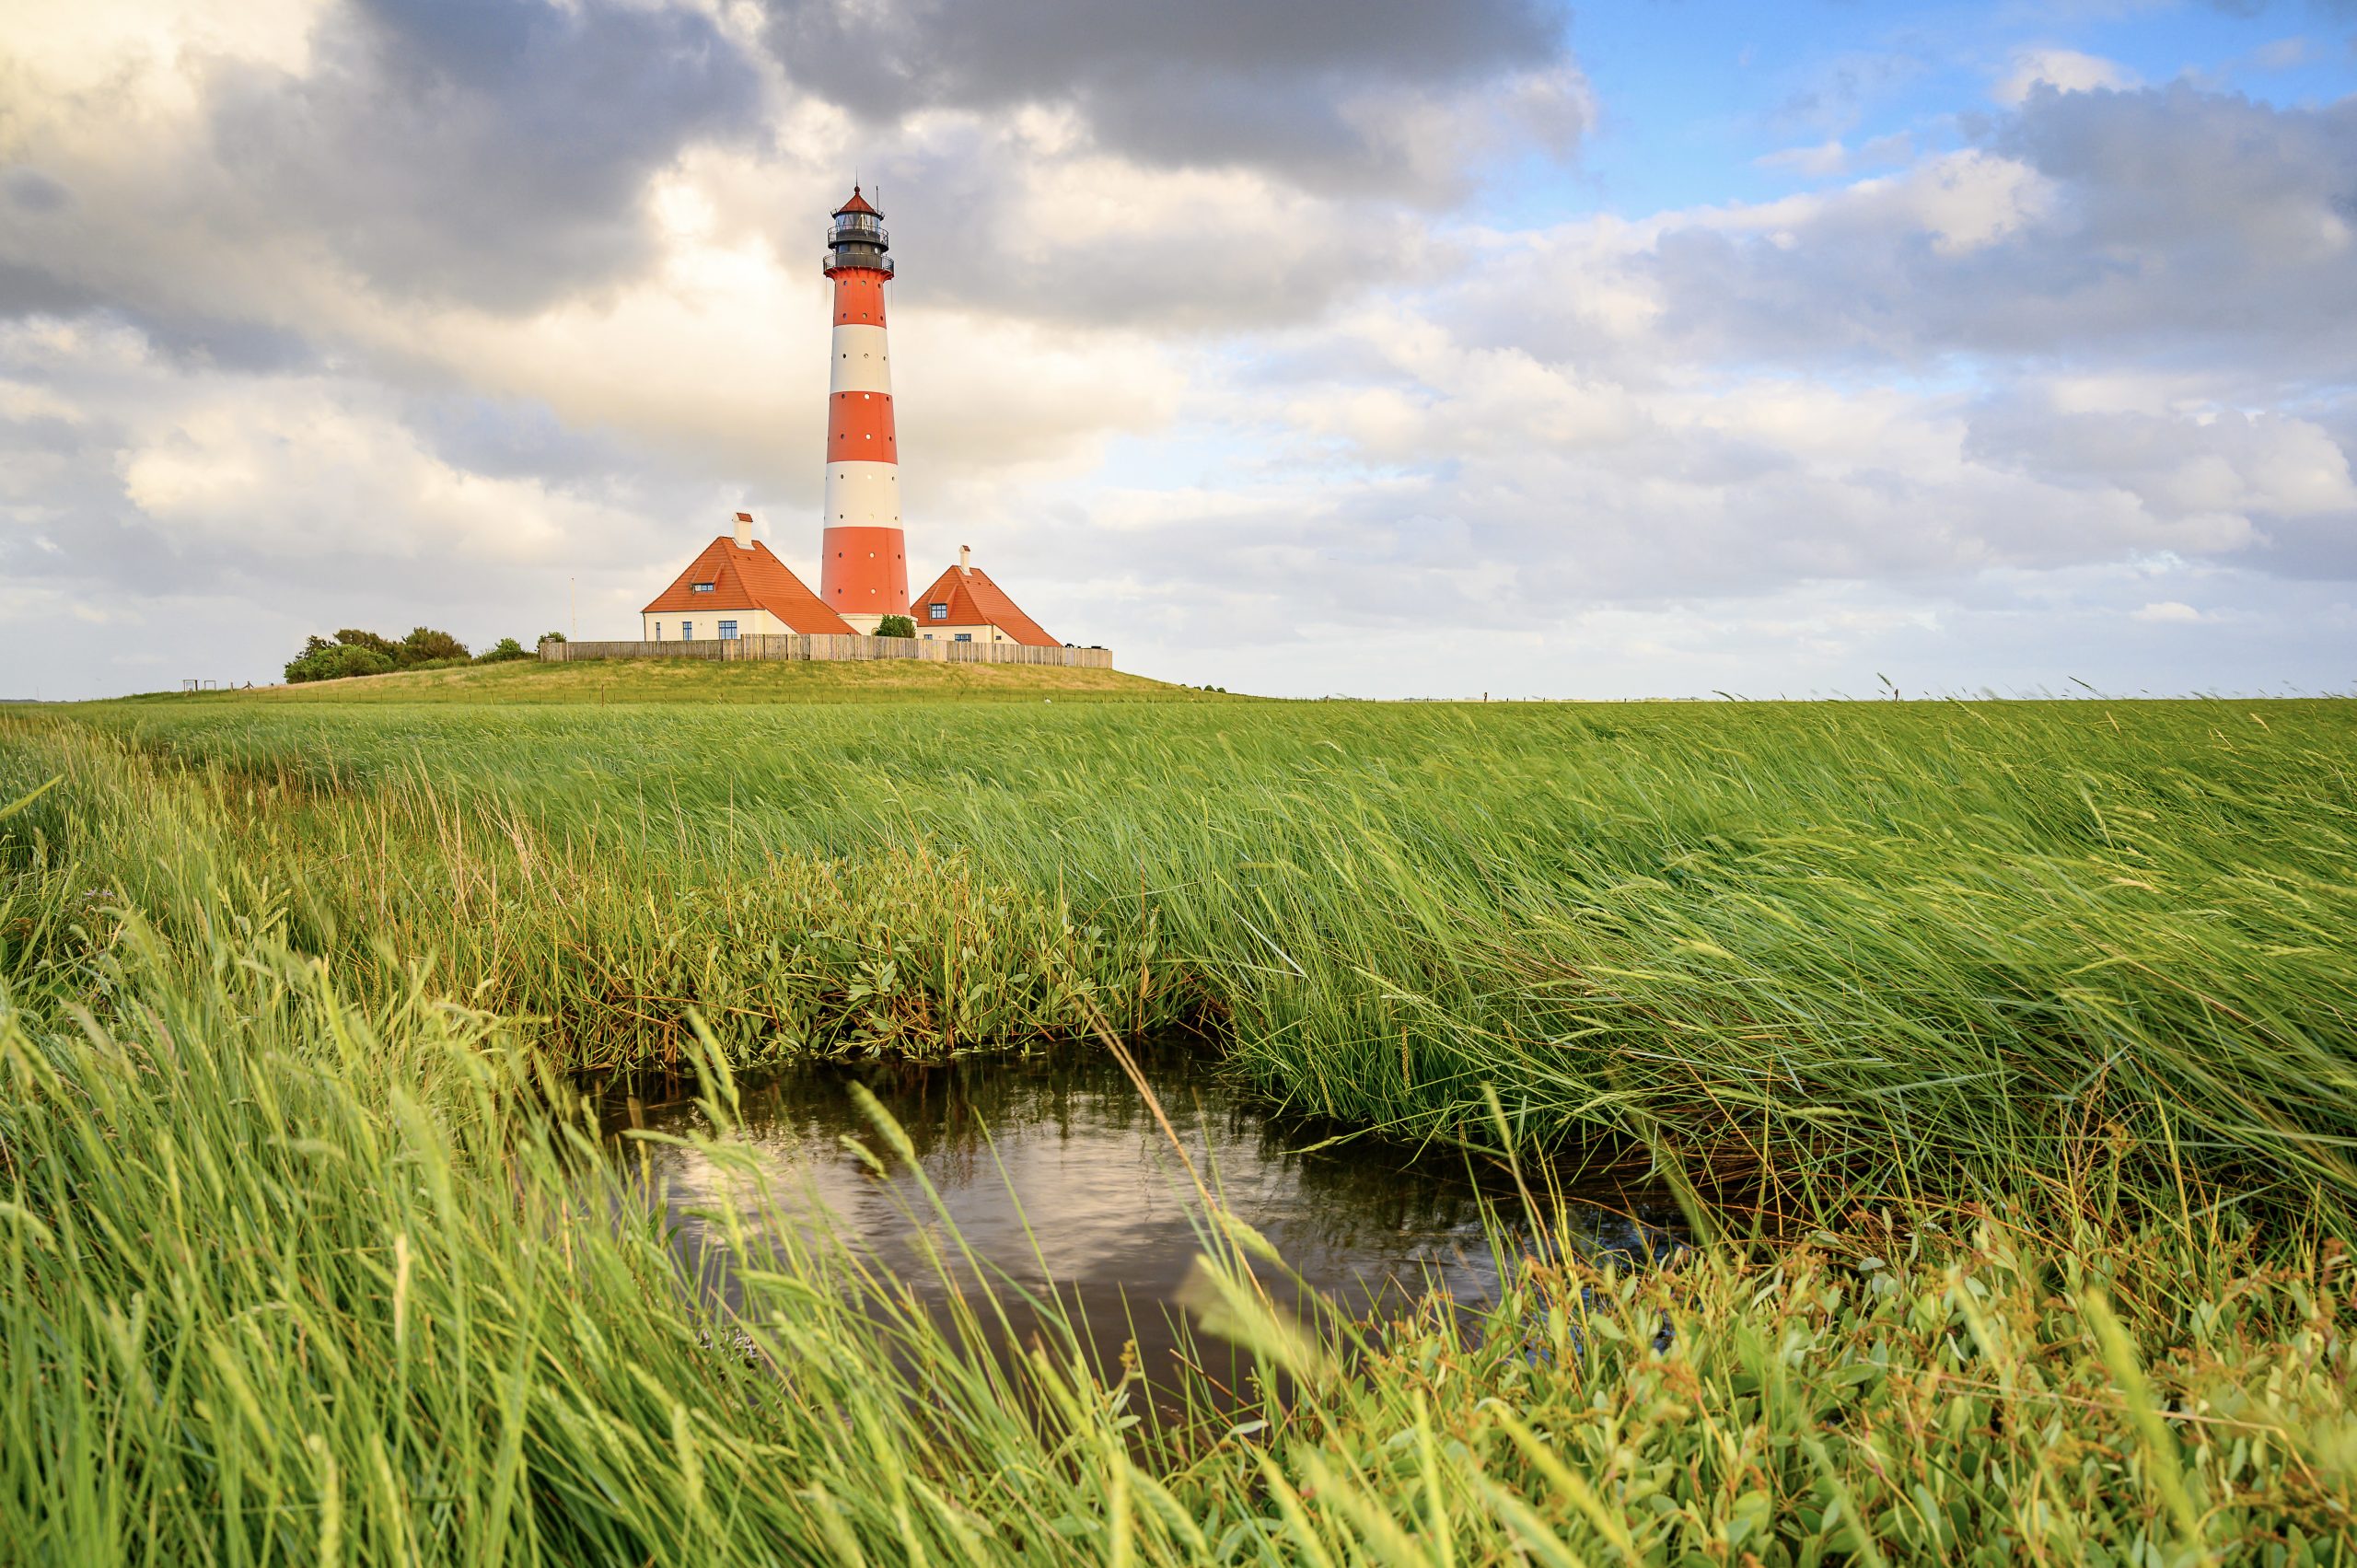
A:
(797, 646)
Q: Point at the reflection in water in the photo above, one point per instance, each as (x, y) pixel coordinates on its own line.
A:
(1053, 1170)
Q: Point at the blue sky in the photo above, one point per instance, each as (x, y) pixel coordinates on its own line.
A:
(1352, 345)
(1696, 93)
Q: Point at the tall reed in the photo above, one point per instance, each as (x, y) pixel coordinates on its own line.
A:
(2034, 1021)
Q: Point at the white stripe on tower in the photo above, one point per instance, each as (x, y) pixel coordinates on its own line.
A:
(863, 495)
(861, 362)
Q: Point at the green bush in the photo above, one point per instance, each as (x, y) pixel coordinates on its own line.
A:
(502, 651)
(351, 636)
(424, 645)
(896, 626)
(324, 660)
(358, 651)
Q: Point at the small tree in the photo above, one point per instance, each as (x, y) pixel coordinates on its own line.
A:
(502, 651)
(324, 660)
(425, 645)
(896, 626)
(552, 636)
(353, 638)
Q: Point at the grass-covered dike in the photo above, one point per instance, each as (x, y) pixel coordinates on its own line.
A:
(2003, 1052)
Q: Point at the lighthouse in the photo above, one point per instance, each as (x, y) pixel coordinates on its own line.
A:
(863, 573)
(736, 587)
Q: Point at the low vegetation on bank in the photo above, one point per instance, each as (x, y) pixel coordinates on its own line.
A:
(672, 681)
(2004, 1054)
(353, 651)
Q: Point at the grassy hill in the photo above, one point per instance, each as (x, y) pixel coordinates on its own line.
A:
(700, 681)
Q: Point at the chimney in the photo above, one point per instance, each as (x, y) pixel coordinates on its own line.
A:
(965, 558)
(744, 530)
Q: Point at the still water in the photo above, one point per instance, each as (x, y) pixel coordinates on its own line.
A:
(1054, 1170)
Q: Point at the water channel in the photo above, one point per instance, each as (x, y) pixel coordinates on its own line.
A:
(1053, 1170)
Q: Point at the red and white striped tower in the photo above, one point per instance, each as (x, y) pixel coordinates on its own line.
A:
(863, 573)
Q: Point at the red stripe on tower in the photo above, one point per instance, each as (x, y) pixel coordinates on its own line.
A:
(862, 573)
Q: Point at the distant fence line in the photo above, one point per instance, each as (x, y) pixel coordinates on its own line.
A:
(824, 645)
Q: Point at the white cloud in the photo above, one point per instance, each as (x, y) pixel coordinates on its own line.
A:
(1823, 158)
(1969, 200)
(2063, 70)
(2170, 612)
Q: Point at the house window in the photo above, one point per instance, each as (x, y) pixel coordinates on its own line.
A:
(729, 631)
(937, 611)
(687, 631)
(658, 631)
(962, 637)
(703, 588)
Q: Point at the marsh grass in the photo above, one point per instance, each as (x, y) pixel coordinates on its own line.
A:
(2025, 1030)
(286, 1279)
(1956, 944)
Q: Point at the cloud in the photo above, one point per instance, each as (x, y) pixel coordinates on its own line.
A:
(1356, 97)
(1749, 400)
(2237, 470)
(31, 191)
(127, 471)
(494, 154)
(1203, 337)
(1825, 157)
(485, 150)
(2159, 227)
(2060, 71)
(2169, 612)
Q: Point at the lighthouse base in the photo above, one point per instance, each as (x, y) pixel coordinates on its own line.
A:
(865, 625)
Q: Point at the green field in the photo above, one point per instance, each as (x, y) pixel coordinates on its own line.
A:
(704, 681)
(2006, 1053)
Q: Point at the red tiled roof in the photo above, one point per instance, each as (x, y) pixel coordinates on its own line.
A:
(859, 203)
(974, 601)
(748, 579)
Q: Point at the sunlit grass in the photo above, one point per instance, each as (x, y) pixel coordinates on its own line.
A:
(1990, 938)
(2019, 1035)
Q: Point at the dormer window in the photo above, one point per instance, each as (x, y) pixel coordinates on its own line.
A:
(703, 588)
(937, 611)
